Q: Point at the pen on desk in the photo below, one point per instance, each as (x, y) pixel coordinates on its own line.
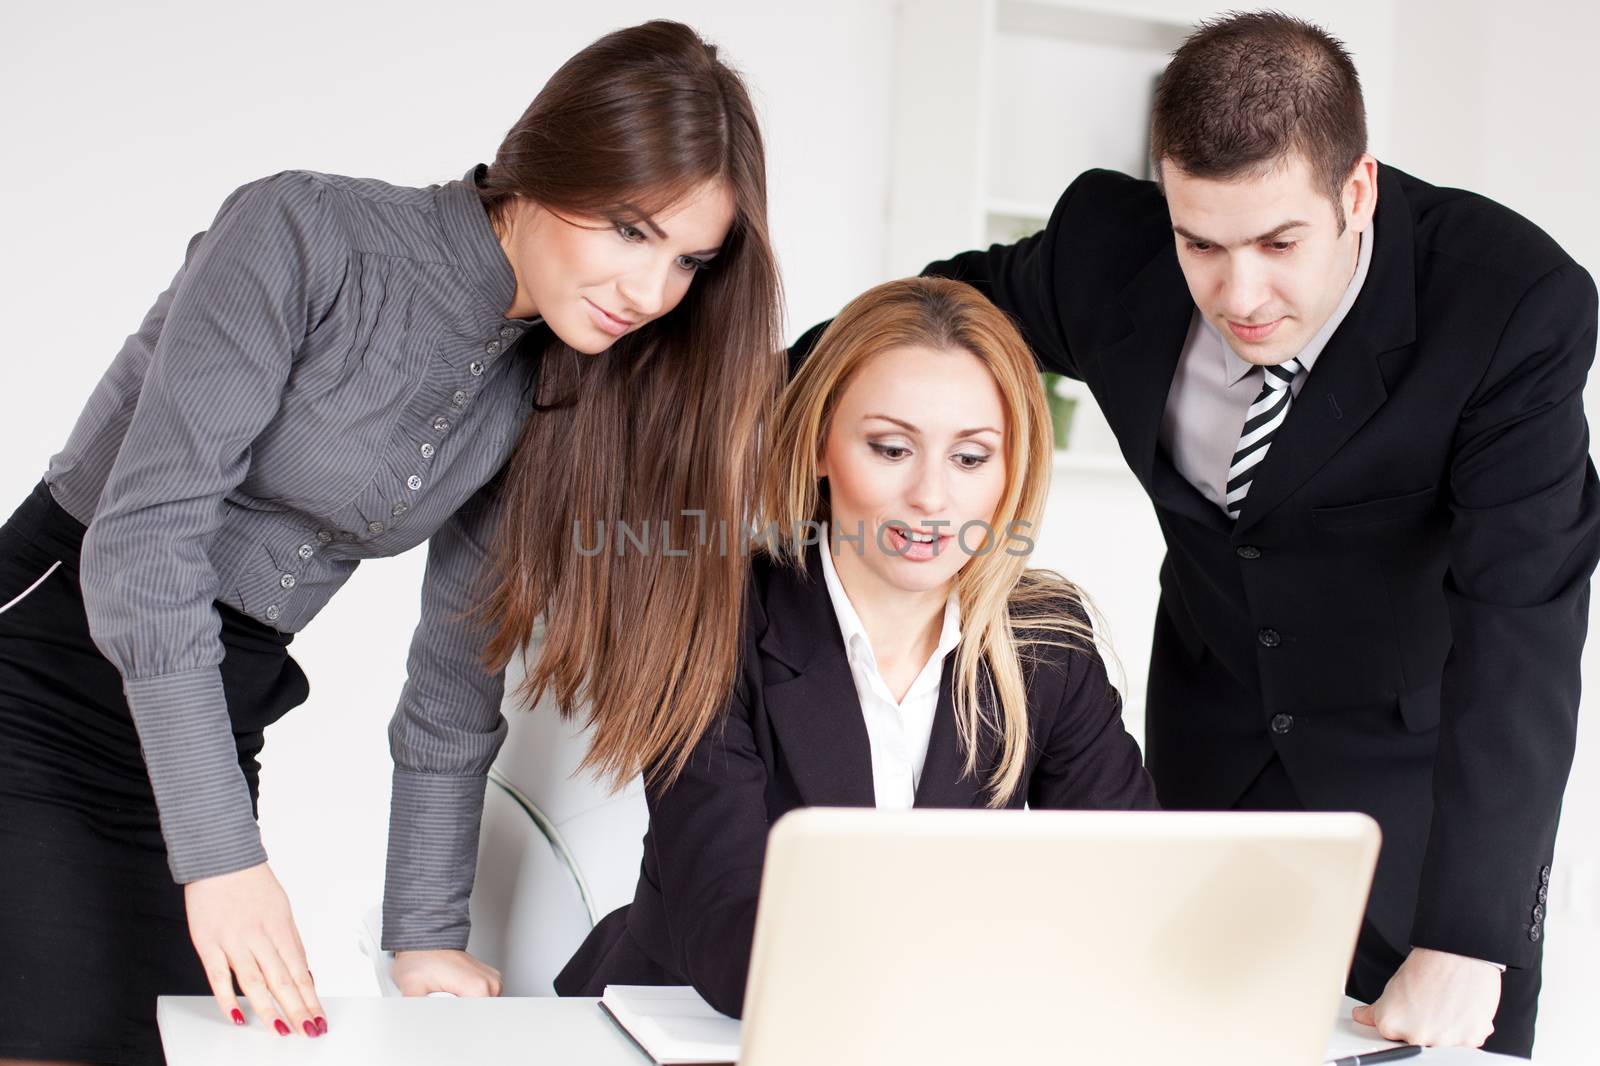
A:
(1405, 1051)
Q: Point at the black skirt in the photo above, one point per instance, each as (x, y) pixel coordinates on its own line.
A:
(92, 927)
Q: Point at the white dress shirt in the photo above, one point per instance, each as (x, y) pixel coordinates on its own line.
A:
(1213, 388)
(897, 731)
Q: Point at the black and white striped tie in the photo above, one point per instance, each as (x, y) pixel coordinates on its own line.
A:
(1261, 423)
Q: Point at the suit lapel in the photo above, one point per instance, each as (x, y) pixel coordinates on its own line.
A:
(1346, 386)
(815, 713)
(1138, 371)
(941, 783)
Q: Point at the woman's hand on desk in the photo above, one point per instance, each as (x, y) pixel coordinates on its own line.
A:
(241, 926)
(418, 973)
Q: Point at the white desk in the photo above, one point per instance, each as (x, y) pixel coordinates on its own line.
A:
(426, 1032)
(404, 1032)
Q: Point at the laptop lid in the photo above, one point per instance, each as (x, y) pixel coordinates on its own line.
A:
(1054, 936)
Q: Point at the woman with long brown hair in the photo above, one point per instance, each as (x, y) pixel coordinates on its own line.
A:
(582, 332)
(897, 651)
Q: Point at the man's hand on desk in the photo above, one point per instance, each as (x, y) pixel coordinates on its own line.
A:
(417, 973)
(1438, 1000)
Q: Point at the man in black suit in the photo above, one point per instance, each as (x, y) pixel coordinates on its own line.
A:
(1355, 400)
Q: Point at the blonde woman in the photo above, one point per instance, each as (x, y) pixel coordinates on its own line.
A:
(897, 651)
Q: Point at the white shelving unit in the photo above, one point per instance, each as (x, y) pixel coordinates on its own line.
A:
(999, 105)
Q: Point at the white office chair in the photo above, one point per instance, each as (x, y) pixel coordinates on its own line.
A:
(556, 853)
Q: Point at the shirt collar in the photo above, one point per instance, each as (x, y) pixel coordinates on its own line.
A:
(471, 239)
(856, 643)
(1238, 368)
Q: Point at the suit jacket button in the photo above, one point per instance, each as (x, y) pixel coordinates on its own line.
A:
(1282, 723)
(1247, 551)
(1544, 876)
(1269, 638)
(1534, 934)
(1538, 913)
(1544, 894)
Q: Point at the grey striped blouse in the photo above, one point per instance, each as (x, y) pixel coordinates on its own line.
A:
(328, 379)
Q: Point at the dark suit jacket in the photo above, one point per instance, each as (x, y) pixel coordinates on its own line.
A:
(1400, 609)
(793, 736)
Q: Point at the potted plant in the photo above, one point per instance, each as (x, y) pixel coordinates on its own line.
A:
(1062, 407)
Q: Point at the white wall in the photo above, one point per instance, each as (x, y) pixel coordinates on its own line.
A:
(1499, 99)
(124, 129)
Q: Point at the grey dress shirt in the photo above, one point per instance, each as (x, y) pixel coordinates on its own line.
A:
(326, 380)
(1213, 388)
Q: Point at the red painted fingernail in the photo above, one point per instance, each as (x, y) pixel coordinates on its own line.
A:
(310, 1027)
(283, 1030)
(322, 1024)
(238, 1016)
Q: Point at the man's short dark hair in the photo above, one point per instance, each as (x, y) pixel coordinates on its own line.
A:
(1248, 89)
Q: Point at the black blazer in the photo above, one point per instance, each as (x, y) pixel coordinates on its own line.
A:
(1400, 609)
(793, 736)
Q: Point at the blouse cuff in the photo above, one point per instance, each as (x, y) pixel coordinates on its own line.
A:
(433, 857)
(206, 815)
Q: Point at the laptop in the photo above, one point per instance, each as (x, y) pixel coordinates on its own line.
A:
(1120, 938)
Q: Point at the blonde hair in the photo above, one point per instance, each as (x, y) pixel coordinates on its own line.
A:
(1007, 610)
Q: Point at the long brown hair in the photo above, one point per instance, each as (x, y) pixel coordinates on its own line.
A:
(668, 421)
(1007, 610)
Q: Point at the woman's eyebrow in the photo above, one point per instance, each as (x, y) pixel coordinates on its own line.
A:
(902, 423)
(644, 216)
(661, 234)
(909, 428)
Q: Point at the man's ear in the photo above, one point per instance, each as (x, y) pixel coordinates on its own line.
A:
(1360, 193)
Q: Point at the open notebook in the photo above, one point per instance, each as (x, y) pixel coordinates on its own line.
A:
(672, 1024)
(675, 1027)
